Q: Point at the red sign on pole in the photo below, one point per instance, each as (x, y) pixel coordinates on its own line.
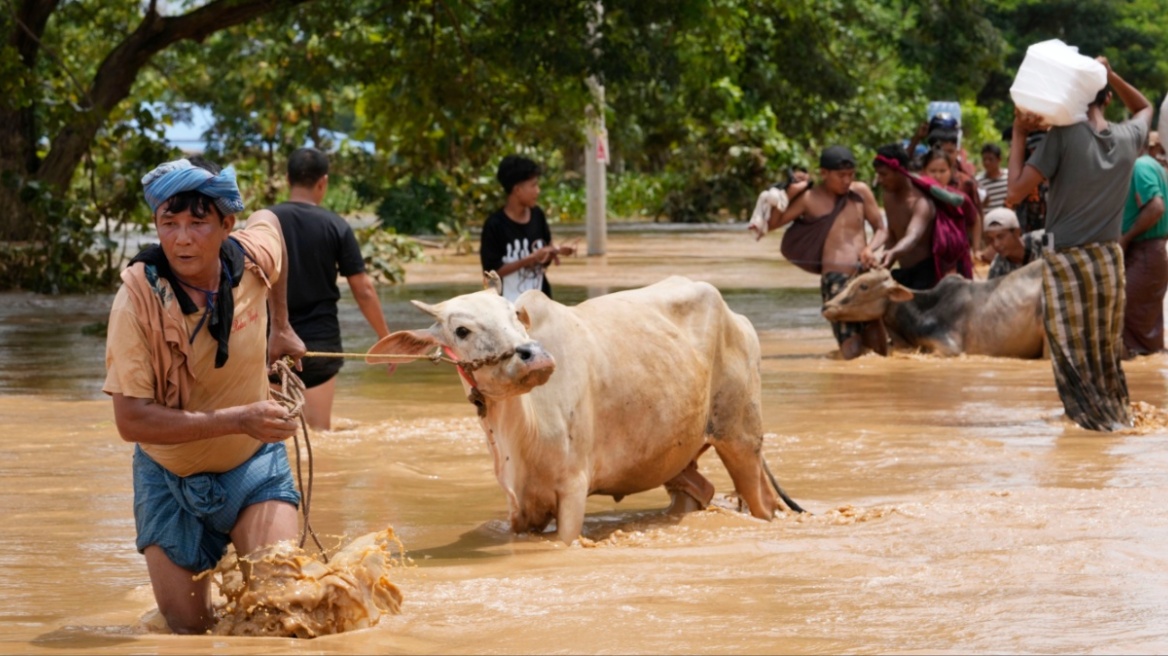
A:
(602, 146)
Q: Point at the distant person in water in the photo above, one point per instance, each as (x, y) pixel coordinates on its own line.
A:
(1089, 166)
(826, 235)
(516, 240)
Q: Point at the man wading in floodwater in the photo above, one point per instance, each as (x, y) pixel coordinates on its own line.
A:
(827, 237)
(1089, 166)
(187, 361)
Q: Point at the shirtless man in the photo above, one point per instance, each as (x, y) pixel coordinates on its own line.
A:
(846, 251)
(910, 223)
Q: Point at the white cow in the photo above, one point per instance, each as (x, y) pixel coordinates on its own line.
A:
(645, 380)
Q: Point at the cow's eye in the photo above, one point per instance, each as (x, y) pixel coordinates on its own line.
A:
(863, 288)
(461, 332)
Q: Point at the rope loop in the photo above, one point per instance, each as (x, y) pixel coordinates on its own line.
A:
(291, 395)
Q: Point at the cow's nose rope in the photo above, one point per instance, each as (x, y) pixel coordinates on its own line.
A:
(291, 396)
(435, 357)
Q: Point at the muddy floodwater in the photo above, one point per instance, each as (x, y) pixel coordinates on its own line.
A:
(952, 508)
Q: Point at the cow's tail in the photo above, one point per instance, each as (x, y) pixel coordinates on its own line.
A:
(791, 505)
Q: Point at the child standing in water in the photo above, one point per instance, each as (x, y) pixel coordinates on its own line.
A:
(516, 241)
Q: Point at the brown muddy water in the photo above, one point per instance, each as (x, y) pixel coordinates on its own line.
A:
(952, 508)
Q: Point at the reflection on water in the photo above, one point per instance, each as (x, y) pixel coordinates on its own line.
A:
(953, 509)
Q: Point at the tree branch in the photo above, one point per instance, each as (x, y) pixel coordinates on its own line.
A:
(116, 75)
(31, 18)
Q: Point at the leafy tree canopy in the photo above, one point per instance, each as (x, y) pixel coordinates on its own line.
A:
(711, 97)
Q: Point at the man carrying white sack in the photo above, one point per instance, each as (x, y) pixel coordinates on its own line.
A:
(1089, 165)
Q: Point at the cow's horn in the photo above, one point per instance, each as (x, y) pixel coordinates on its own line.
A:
(491, 280)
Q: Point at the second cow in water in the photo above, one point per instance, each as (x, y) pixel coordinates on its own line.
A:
(1000, 317)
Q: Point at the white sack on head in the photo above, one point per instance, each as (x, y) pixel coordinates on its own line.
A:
(1057, 83)
(772, 198)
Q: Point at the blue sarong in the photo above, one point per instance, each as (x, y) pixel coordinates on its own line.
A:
(190, 518)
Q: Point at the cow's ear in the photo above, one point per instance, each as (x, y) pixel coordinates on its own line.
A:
(402, 346)
(900, 294)
(432, 310)
(491, 280)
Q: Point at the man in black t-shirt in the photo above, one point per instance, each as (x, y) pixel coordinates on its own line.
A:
(516, 241)
(321, 245)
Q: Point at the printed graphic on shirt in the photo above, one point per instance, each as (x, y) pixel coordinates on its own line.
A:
(517, 282)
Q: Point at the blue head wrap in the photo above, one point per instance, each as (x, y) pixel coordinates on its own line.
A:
(178, 176)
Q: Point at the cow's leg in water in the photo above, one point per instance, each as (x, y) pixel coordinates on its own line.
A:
(743, 460)
(570, 504)
(689, 490)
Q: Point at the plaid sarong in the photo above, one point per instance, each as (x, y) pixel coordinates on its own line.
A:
(830, 285)
(1083, 292)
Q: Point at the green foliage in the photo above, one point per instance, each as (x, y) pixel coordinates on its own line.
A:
(415, 207)
(637, 196)
(457, 237)
(978, 128)
(706, 102)
(1132, 35)
(386, 253)
(563, 201)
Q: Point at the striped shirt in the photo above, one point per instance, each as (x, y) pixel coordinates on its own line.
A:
(995, 190)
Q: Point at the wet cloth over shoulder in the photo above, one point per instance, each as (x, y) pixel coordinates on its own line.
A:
(950, 243)
(191, 517)
(805, 238)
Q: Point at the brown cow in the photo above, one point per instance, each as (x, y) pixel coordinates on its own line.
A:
(644, 381)
(1000, 317)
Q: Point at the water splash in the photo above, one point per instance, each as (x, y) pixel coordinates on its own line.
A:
(289, 592)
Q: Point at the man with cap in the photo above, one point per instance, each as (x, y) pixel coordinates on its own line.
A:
(1089, 167)
(1145, 233)
(516, 241)
(187, 358)
(1013, 249)
(827, 236)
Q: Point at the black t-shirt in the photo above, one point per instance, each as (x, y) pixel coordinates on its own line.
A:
(320, 245)
(506, 241)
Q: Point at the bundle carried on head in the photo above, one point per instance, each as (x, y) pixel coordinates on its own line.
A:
(1057, 83)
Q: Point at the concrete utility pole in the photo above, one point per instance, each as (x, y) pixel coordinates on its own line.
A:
(596, 154)
(595, 164)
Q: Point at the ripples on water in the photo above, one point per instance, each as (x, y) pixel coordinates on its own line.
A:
(953, 509)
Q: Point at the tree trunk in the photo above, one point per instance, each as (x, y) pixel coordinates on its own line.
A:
(18, 129)
(110, 86)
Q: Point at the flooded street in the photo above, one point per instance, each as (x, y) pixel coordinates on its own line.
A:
(952, 509)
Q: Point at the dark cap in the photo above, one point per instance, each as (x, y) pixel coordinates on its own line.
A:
(942, 135)
(835, 158)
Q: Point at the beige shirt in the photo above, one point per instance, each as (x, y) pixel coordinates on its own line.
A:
(149, 356)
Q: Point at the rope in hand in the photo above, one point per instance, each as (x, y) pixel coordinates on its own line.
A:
(291, 396)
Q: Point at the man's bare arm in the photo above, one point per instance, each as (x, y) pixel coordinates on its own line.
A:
(794, 210)
(147, 422)
(283, 341)
(1021, 179)
(875, 218)
(1149, 215)
(918, 225)
(365, 293)
(1133, 100)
